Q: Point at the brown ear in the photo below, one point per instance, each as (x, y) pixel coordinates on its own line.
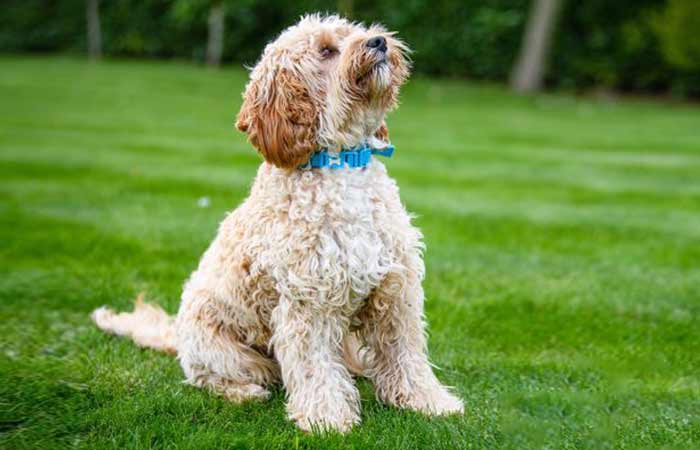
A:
(280, 118)
(382, 132)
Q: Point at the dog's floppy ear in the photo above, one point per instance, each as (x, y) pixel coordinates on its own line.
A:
(280, 118)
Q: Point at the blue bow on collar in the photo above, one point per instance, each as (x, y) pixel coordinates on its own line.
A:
(353, 158)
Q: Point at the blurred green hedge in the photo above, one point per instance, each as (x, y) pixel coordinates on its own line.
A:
(635, 45)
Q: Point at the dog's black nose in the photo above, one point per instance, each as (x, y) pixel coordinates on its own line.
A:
(377, 42)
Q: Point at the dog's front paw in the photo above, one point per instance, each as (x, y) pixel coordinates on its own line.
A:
(330, 417)
(441, 404)
(435, 401)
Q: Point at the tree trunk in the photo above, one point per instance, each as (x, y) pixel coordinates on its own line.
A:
(94, 33)
(529, 70)
(215, 39)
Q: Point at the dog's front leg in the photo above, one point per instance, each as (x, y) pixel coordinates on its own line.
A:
(308, 344)
(398, 362)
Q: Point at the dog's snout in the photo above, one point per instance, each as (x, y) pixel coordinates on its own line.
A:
(377, 42)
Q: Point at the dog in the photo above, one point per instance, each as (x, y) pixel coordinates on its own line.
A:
(317, 275)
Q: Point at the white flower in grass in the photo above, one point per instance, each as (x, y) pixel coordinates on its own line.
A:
(203, 202)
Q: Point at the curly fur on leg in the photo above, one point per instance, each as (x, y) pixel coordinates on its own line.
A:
(397, 360)
(308, 346)
(211, 356)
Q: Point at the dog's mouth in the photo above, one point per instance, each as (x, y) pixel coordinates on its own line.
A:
(375, 69)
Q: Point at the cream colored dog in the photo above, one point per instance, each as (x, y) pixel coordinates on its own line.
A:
(318, 273)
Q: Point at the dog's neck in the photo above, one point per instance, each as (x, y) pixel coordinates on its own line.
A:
(356, 128)
(370, 141)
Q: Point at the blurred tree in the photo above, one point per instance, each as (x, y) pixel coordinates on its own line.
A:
(215, 34)
(529, 70)
(191, 15)
(94, 32)
(628, 45)
(678, 29)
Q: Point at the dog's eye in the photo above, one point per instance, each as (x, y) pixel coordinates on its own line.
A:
(327, 52)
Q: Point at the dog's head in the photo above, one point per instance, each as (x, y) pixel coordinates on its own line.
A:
(325, 82)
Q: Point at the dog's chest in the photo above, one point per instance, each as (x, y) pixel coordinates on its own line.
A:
(345, 219)
(353, 239)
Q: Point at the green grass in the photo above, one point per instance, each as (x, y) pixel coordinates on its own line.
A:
(563, 260)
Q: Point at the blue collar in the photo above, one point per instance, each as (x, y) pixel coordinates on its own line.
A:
(353, 158)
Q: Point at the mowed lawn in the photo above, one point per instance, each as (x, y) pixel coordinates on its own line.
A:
(563, 261)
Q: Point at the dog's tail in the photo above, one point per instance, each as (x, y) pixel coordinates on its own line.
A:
(148, 325)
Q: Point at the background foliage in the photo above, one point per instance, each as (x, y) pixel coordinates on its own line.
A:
(634, 45)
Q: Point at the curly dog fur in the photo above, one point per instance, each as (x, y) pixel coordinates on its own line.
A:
(318, 273)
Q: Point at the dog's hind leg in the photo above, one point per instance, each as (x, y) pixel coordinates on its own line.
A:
(212, 355)
(234, 391)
